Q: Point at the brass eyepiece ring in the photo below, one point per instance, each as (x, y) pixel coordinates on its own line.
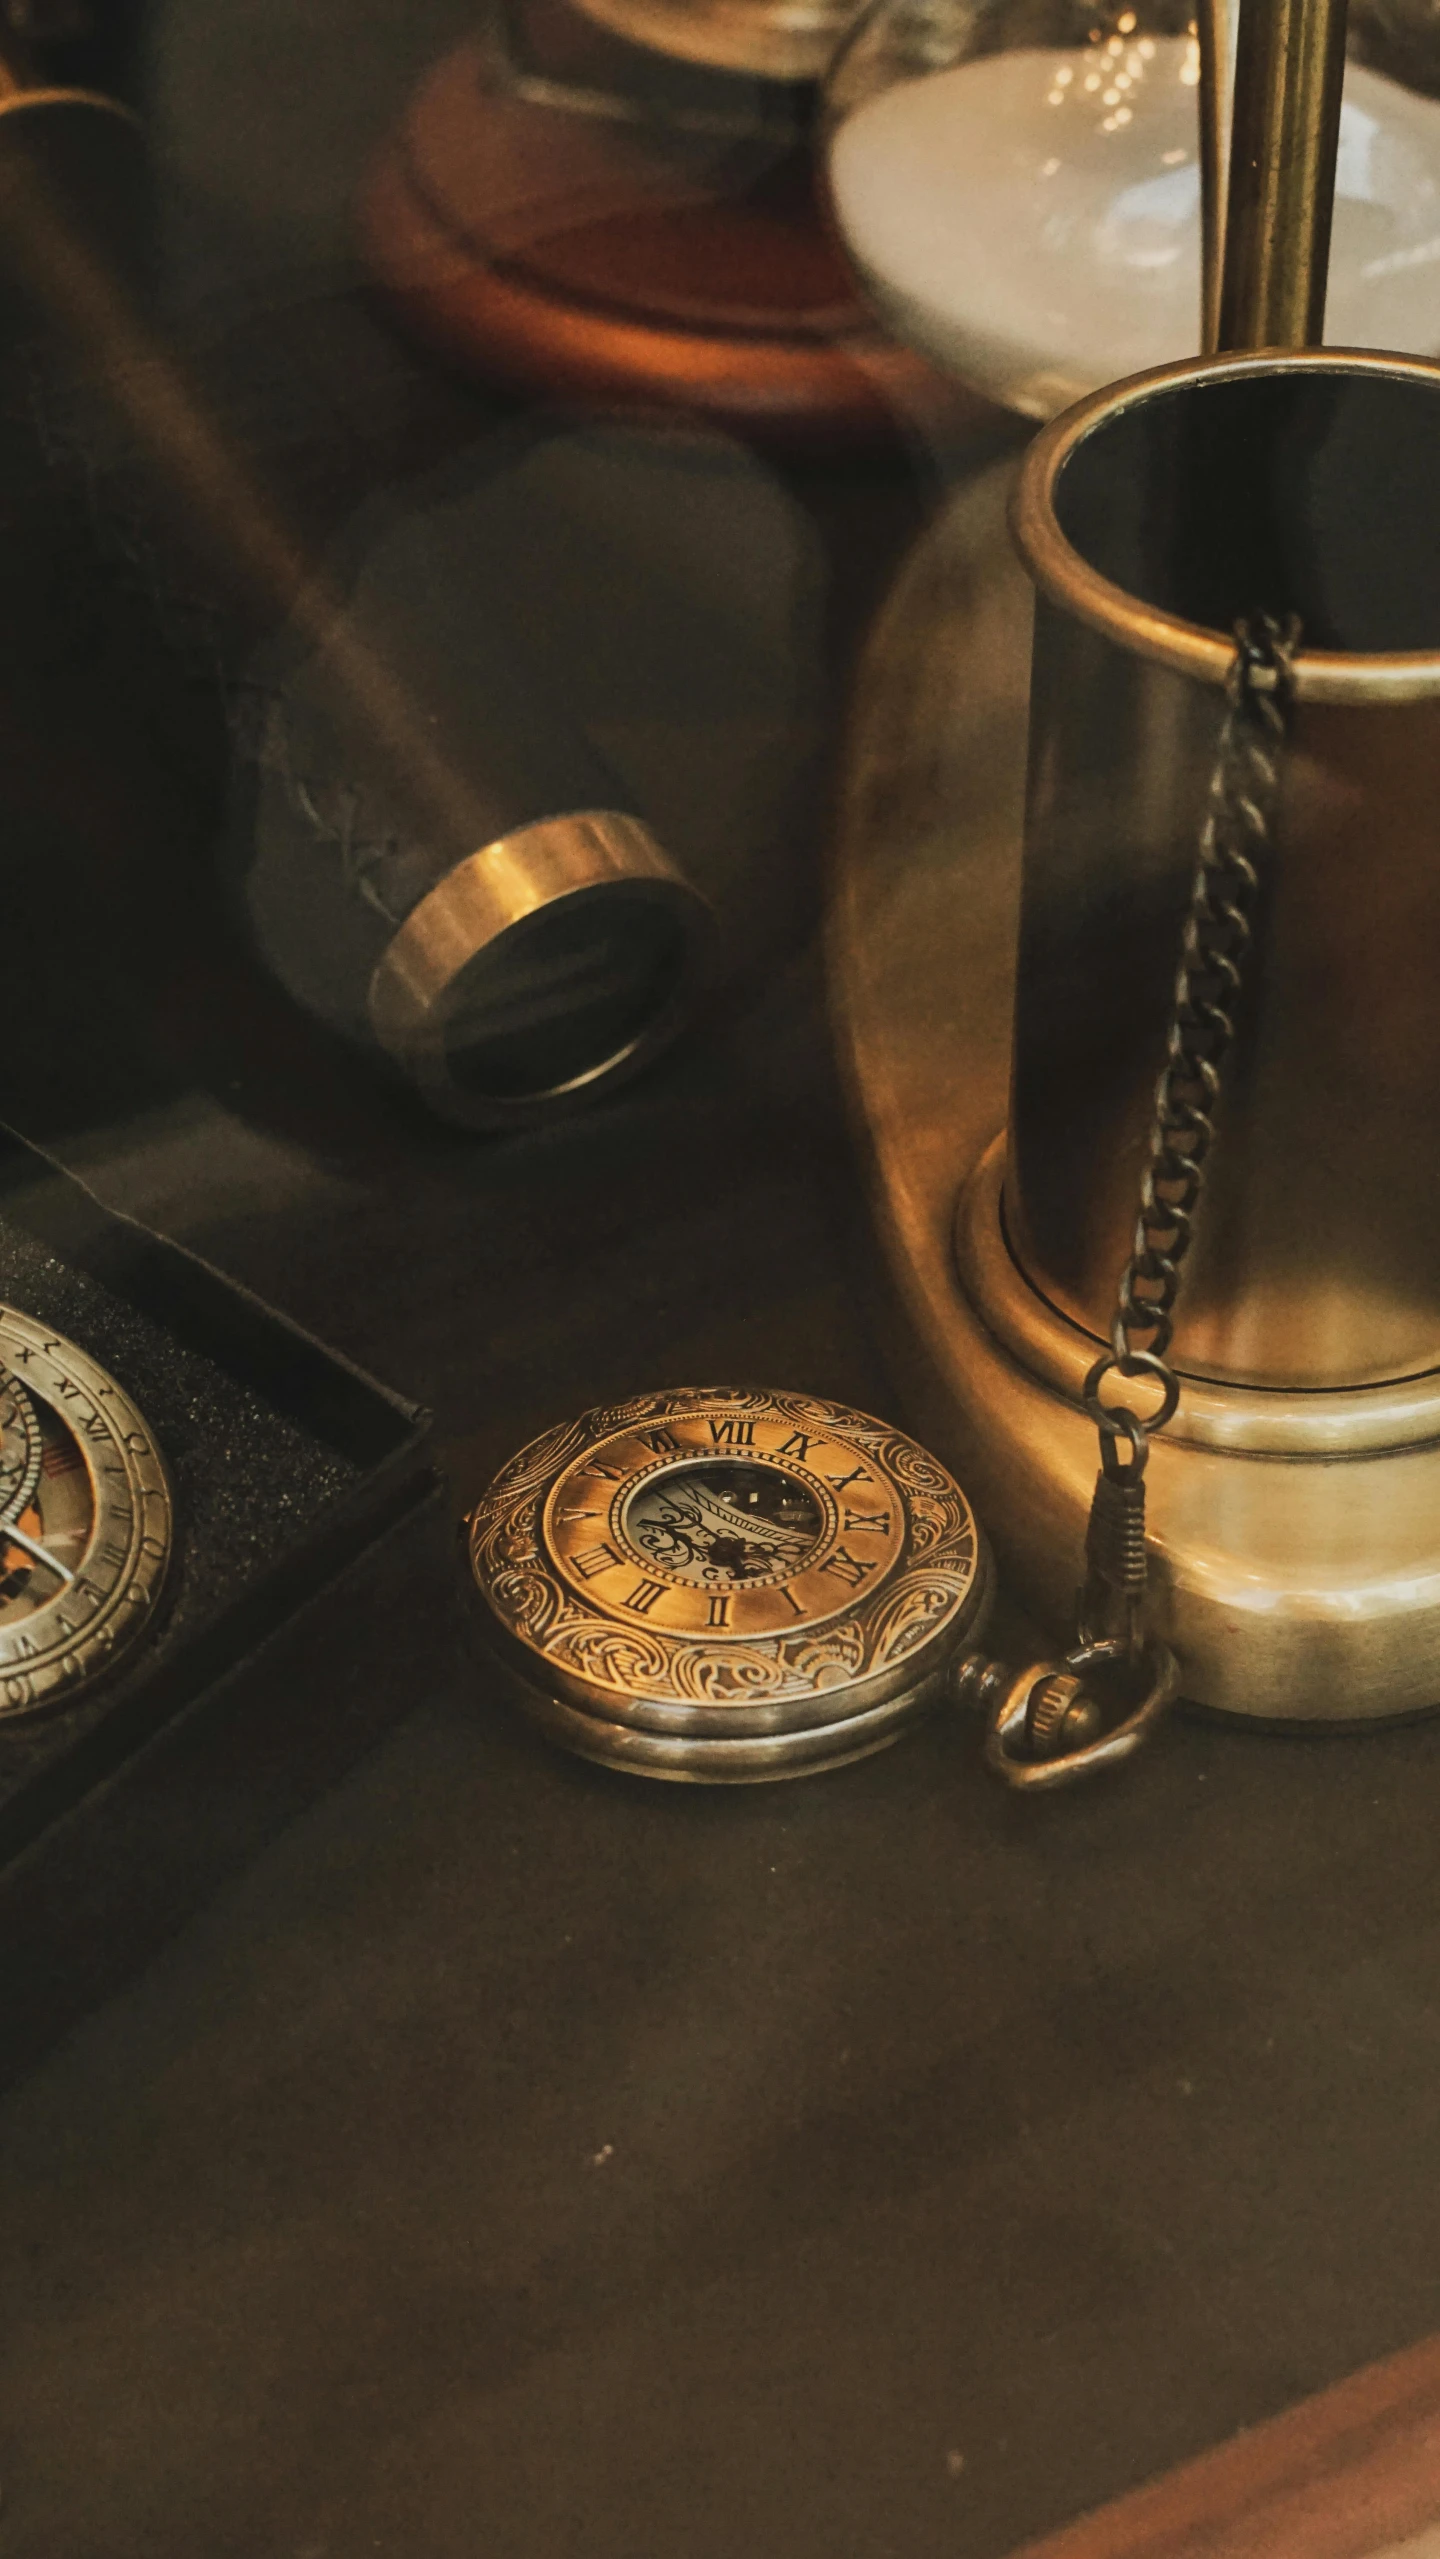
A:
(543, 968)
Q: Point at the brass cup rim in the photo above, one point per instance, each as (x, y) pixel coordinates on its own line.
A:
(1063, 575)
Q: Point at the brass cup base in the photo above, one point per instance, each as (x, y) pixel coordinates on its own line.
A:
(1296, 1537)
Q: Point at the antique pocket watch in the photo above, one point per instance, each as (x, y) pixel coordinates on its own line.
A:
(86, 1520)
(720, 1584)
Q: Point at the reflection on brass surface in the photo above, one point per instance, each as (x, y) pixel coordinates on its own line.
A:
(552, 961)
(69, 156)
(1294, 1588)
(1289, 72)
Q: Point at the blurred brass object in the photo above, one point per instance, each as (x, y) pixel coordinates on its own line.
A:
(1289, 72)
(86, 152)
(557, 956)
(74, 161)
(554, 960)
(769, 39)
(616, 205)
(1295, 1589)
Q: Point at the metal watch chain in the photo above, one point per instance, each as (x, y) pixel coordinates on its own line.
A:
(1045, 1725)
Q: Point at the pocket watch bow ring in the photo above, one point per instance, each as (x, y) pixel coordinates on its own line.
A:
(715, 1584)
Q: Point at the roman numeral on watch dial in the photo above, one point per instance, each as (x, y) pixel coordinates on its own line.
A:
(732, 1431)
(595, 1559)
(846, 1567)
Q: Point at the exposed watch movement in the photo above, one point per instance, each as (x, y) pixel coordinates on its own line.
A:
(717, 1584)
(85, 1519)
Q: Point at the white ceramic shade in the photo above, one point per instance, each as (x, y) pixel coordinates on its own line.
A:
(1032, 219)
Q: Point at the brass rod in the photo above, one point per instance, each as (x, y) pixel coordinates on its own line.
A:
(1289, 72)
(1215, 25)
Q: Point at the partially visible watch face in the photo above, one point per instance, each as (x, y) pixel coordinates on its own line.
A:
(727, 1523)
(85, 1519)
(725, 1527)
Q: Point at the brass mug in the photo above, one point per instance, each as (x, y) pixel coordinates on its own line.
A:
(1150, 517)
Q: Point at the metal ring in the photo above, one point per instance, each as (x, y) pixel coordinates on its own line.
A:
(1035, 1775)
(591, 880)
(1130, 1364)
(1126, 1470)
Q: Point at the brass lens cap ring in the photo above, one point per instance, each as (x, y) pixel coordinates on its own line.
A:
(546, 967)
(718, 1584)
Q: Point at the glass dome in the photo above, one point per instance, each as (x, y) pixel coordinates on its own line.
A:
(1018, 184)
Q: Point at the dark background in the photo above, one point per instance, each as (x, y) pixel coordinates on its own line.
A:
(519, 2159)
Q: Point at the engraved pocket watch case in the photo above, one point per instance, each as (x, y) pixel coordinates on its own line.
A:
(716, 1584)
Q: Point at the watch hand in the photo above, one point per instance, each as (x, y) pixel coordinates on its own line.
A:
(17, 1537)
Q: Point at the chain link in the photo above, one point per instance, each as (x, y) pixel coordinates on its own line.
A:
(1045, 1727)
(1219, 926)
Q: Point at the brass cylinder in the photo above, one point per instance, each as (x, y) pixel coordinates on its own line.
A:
(1289, 72)
(1150, 517)
(1215, 26)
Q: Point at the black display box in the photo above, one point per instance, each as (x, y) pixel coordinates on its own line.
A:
(314, 1563)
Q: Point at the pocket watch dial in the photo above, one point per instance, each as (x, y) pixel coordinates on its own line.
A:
(85, 1519)
(728, 1524)
(723, 1584)
(724, 1527)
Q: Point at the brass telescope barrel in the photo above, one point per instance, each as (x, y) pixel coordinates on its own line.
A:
(541, 944)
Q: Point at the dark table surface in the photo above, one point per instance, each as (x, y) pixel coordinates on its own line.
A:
(523, 2160)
